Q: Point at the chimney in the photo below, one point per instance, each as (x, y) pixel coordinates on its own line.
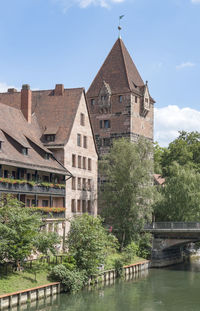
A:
(26, 102)
(12, 90)
(59, 89)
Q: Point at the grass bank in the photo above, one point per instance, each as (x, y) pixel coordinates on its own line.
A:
(16, 281)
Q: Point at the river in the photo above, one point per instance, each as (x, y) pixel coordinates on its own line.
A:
(175, 288)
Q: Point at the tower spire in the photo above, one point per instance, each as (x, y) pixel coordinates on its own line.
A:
(119, 26)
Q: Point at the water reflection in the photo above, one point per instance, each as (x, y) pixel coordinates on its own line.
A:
(172, 289)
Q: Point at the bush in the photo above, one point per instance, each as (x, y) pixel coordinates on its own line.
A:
(69, 262)
(119, 267)
(145, 244)
(130, 252)
(72, 281)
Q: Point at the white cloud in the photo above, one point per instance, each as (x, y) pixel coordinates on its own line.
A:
(171, 119)
(185, 65)
(66, 4)
(195, 1)
(4, 87)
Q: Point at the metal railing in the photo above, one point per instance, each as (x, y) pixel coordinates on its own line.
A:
(173, 226)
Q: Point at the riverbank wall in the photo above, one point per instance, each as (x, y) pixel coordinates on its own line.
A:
(48, 293)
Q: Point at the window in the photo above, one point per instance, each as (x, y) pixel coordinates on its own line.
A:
(106, 124)
(79, 206)
(25, 151)
(84, 184)
(146, 100)
(101, 124)
(79, 161)
(28, 203)
(92, 102)
(28, 176)
(73, 183)
(79, 140)
(89, 185)
(120, 98)
(103, 97)
(84, 163)
(0, 145)
(82, 119)
(47, 156)
(79, 183)
(89, 164)
(85, 141)
(73, 206)
(83, 206)
(136, 99)
(89, 206)
(13, 174)
(45, 203)
(73, 160)
(50, 137)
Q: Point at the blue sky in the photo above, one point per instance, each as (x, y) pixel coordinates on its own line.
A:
(44, 42)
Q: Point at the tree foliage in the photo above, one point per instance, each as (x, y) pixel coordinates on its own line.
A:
(185, 150)
(126, 196)
(88, 241)
(180, 196)
(20, 231)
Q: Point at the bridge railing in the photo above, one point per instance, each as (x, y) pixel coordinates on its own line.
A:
(173, 225)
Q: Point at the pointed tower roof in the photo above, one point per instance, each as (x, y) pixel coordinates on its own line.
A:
(119, 71)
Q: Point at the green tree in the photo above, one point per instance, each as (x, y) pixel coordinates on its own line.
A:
(87, 241)
(180, 197)
(127, 194)
(185, 150)
(20, 231)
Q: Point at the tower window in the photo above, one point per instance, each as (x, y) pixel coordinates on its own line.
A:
(120, 98)
(106, 124)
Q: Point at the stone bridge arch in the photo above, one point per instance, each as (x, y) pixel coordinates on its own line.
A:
(169, 239)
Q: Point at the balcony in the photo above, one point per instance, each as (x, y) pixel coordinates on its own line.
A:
(31, 187)
(50, 212)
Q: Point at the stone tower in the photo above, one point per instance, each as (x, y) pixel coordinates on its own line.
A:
(118, 100)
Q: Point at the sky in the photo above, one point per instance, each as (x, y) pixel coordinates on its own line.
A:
(44, 42)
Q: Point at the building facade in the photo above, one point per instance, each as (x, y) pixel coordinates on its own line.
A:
(119, 101)
(51, 162)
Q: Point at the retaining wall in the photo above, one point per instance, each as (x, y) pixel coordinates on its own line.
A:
(35, 294)
(29, 295)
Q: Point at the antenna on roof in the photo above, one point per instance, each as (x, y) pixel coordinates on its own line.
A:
(119, 27)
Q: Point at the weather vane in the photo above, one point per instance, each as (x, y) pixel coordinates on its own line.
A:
(119, 27)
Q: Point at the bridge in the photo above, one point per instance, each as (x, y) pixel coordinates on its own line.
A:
(169, 239)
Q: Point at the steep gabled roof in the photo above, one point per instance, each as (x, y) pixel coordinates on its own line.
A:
(56, 112)
(119, 71)
(15, 131)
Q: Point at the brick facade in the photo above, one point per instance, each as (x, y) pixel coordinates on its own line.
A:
(119, 102)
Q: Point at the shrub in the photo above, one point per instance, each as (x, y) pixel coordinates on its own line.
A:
(119, 267)
(145, 243)
(69, 262)
(130, 252)
(72, 281)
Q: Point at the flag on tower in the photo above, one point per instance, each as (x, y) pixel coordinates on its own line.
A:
(121, 16)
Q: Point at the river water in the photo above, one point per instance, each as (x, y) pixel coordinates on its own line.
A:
(176, 288)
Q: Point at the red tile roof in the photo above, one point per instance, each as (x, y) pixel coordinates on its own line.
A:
(119, 71)
(16, 132)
